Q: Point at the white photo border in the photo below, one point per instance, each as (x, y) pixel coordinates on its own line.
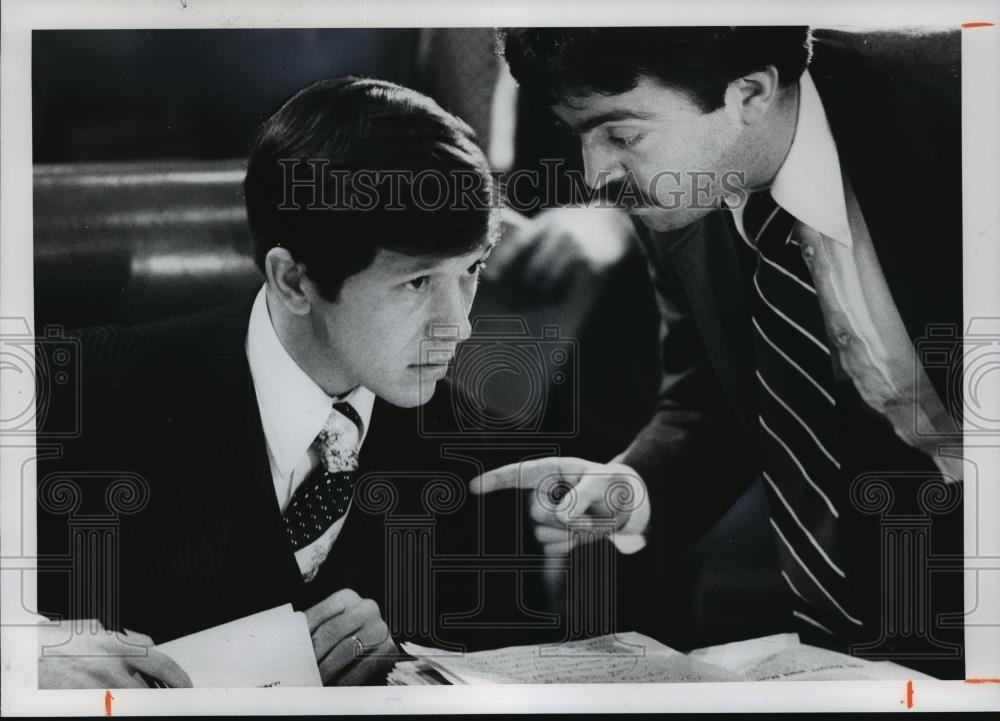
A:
(981, 180)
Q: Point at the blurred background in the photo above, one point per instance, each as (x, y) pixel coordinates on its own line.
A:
(139, 144)
(139, 140)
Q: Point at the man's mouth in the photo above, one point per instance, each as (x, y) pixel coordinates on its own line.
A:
(440, 363)
(428, 371)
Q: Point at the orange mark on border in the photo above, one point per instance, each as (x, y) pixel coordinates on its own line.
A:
(982, 680)
(977, 25)
(909, 694)
(107, 703)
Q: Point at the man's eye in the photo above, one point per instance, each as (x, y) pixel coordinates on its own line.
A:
(418, 282)
(623, 140)
(476, 267)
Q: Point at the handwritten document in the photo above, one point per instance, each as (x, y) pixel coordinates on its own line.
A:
(622, 658)
(270, 648)
(783, 658)
(634, 658)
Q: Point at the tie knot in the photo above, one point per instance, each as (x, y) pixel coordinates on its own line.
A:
(765, 222)
(338, 441)
(347, 410)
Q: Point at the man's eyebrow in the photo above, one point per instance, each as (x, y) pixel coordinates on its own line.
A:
(609, 116)
(419, 264)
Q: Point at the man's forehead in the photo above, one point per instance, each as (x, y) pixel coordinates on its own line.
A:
(582, 112)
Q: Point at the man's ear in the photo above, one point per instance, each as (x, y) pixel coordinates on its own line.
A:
(750, 97)
(287, 279)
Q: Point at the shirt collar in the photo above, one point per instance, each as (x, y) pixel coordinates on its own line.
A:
(293, 408)
(809, 184)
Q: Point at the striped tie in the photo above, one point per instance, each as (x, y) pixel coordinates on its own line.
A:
(798, 433)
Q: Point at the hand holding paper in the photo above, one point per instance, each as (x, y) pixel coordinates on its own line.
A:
(350, 638)
(83, 654)
(266, 649)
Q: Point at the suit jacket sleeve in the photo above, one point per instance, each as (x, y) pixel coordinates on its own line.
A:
(692, 455)
(76, 473)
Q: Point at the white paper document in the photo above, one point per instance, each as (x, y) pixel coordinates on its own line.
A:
(634, 658)
(270, 648)
(783, 658)
(621, 658)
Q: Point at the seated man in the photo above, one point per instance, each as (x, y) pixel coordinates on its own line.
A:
(224, 447)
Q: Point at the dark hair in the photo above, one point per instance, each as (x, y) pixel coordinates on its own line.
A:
(331, 175)
(561, 63)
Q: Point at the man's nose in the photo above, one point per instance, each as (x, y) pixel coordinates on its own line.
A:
(451, 323)
(464, 326)
(600, 165)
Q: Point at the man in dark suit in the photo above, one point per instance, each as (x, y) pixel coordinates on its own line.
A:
(215, 472)
(801, 197)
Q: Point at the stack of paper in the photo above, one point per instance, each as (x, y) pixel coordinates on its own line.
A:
(622, 658)
(634, 658)
(783, 658)
(270, 648)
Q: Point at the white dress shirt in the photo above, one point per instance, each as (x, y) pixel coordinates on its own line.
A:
(871, 344)
(293, 409)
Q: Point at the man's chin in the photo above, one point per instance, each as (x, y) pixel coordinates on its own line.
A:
(661, 220)
(412, 397)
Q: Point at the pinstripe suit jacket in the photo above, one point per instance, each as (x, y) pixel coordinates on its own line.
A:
(893, 106)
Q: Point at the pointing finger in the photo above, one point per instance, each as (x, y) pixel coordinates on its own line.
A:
(560, 548)
(498, 479)
(548, 534)
(525, 475)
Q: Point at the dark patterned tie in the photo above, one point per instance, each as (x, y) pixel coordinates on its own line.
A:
(798, 431)
(324, 495)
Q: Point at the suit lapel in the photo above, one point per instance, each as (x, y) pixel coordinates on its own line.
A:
(709, 268)
(260, 570)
